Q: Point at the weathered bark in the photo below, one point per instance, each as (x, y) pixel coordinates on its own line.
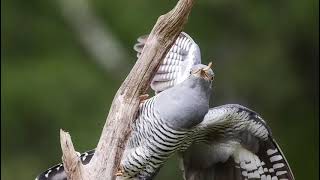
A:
(116, 131)
(71, 162)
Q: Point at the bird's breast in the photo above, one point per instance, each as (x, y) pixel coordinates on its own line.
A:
(184, 110)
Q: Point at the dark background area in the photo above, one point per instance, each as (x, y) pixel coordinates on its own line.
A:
(265, 56)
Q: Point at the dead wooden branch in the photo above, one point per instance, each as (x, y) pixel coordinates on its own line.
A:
(71, 162)
(116, 131)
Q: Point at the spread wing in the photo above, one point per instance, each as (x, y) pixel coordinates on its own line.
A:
(176, 66)
(57, 172)
(238, 145)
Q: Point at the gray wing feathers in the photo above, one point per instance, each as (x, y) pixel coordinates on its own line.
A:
(238, 145)
(200, 162)
(234, 120)
(219, 171)
(274, 160)
(176, 65)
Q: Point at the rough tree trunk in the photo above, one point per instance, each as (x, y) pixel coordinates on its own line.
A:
(105, 162)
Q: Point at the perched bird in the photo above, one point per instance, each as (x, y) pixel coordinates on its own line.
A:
(165, 124)
(225, 142)
(232, 141)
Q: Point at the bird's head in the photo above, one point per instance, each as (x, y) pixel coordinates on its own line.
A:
(203, 71)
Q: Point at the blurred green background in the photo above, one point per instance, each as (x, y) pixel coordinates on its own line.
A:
(265, 56)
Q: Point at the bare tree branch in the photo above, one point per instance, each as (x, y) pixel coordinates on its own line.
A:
(71, 162)
(93, 34)
(116, 131)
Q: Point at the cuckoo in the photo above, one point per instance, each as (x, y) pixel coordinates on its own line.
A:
(224, 142)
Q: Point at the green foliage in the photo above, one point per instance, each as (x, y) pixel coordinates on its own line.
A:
(265, 56)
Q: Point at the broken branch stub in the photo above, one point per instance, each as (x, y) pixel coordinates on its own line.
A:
(71, 161)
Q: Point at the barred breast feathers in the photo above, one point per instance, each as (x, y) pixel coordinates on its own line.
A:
(151, 143)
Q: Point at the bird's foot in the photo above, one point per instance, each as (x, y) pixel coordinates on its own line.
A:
(120, 172)
(143, 98)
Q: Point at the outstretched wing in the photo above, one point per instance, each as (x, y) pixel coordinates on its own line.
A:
(237, 145)
(57, 172)
(176, 66)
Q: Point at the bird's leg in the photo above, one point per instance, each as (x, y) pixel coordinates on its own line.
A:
(120, 172)
(143, 97)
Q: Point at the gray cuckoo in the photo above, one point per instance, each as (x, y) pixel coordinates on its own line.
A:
(221, 143)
